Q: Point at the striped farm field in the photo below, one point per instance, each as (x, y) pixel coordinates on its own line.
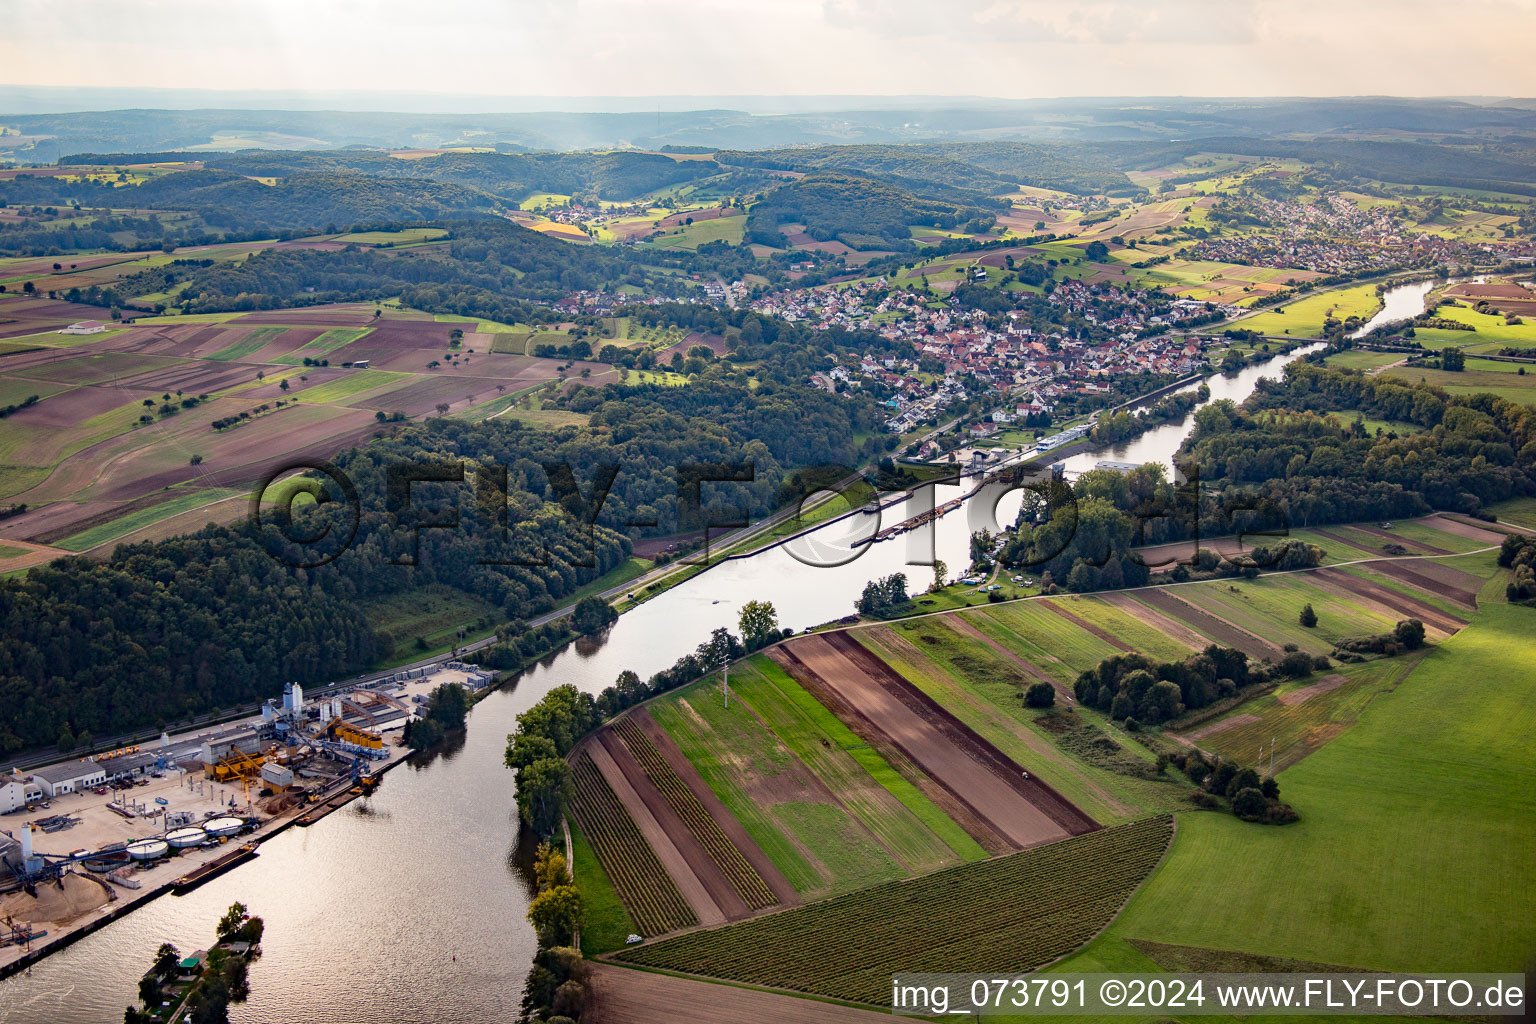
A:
(647, 891)
(251, 343)
(1007, 915)
(512, 343)
(1137, 633)
(607, 923)
(1263, 609)
(1339, 543)
(328, 342)
(1044, 638)
(704, 828)
(1419, 602)
(916, 831)
(1109, 779)
(791, 814)
(1299, 718)
(353, 383)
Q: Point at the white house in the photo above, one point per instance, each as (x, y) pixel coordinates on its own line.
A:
(15, 791)
(83, 327)
(69, 777)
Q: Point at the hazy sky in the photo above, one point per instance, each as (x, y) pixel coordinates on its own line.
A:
(1006, 48)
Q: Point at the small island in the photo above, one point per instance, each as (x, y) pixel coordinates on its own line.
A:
(200, 986)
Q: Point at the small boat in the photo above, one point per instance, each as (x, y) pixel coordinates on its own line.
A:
(162, 801)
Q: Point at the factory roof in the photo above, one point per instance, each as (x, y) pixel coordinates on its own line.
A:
(67, 770)
(134, 762)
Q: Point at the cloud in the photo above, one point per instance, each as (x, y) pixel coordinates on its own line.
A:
(724, 47)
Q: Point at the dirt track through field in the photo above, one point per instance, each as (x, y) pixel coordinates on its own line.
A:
(719, 887)
(1165, 624)
(1213, 626)
(688, 883)
(965, 626)
(1323, 685)
(1082, 623)
(1024, 810)
(1220, 727)
(618, 995)
(1399, 602)
(1446, 584)
(733, 829)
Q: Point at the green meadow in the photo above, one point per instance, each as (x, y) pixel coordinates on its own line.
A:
(1304, 318)
(1413, 848)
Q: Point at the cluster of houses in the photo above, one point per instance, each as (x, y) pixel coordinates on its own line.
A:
(1023, 367)
(1335, 236)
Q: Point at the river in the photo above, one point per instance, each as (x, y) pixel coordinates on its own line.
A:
(408, 905)
(1159, 444)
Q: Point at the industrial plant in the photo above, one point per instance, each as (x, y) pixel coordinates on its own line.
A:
(176, 812)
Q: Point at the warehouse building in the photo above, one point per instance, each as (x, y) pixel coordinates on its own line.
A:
(69, 777)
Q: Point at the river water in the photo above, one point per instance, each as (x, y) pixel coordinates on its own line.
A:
(408, 905)
(1159, 444)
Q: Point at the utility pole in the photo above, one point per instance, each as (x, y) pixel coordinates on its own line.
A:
(727, 671)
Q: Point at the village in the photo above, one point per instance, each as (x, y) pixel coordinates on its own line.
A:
(1337, 236)
(1016, 364)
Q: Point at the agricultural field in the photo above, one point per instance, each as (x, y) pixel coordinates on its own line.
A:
(1355, 360)
(1006, 915)
(690, 236)
(771, 800)
(685, 803)
(607, 923)
(1429, 787)
(1087, 760)
(1336, 736)
(810, 836)
(920, 835)
(878, 702)
(646, 891)
(1489, 331)
(188, 500)
(1298, 719)
(123, 415)
(1304, 318)
(1520, 511)
(1502, 379)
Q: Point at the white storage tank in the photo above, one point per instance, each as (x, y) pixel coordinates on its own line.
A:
(218, 828)
(147, 849)
(187, 836)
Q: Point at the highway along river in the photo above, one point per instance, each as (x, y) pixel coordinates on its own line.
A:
(408, 905)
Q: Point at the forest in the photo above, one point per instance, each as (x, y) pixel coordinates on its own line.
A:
(861, 212)
(1283, 460)
(486, 268)
(989, 168)
(163, 630)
